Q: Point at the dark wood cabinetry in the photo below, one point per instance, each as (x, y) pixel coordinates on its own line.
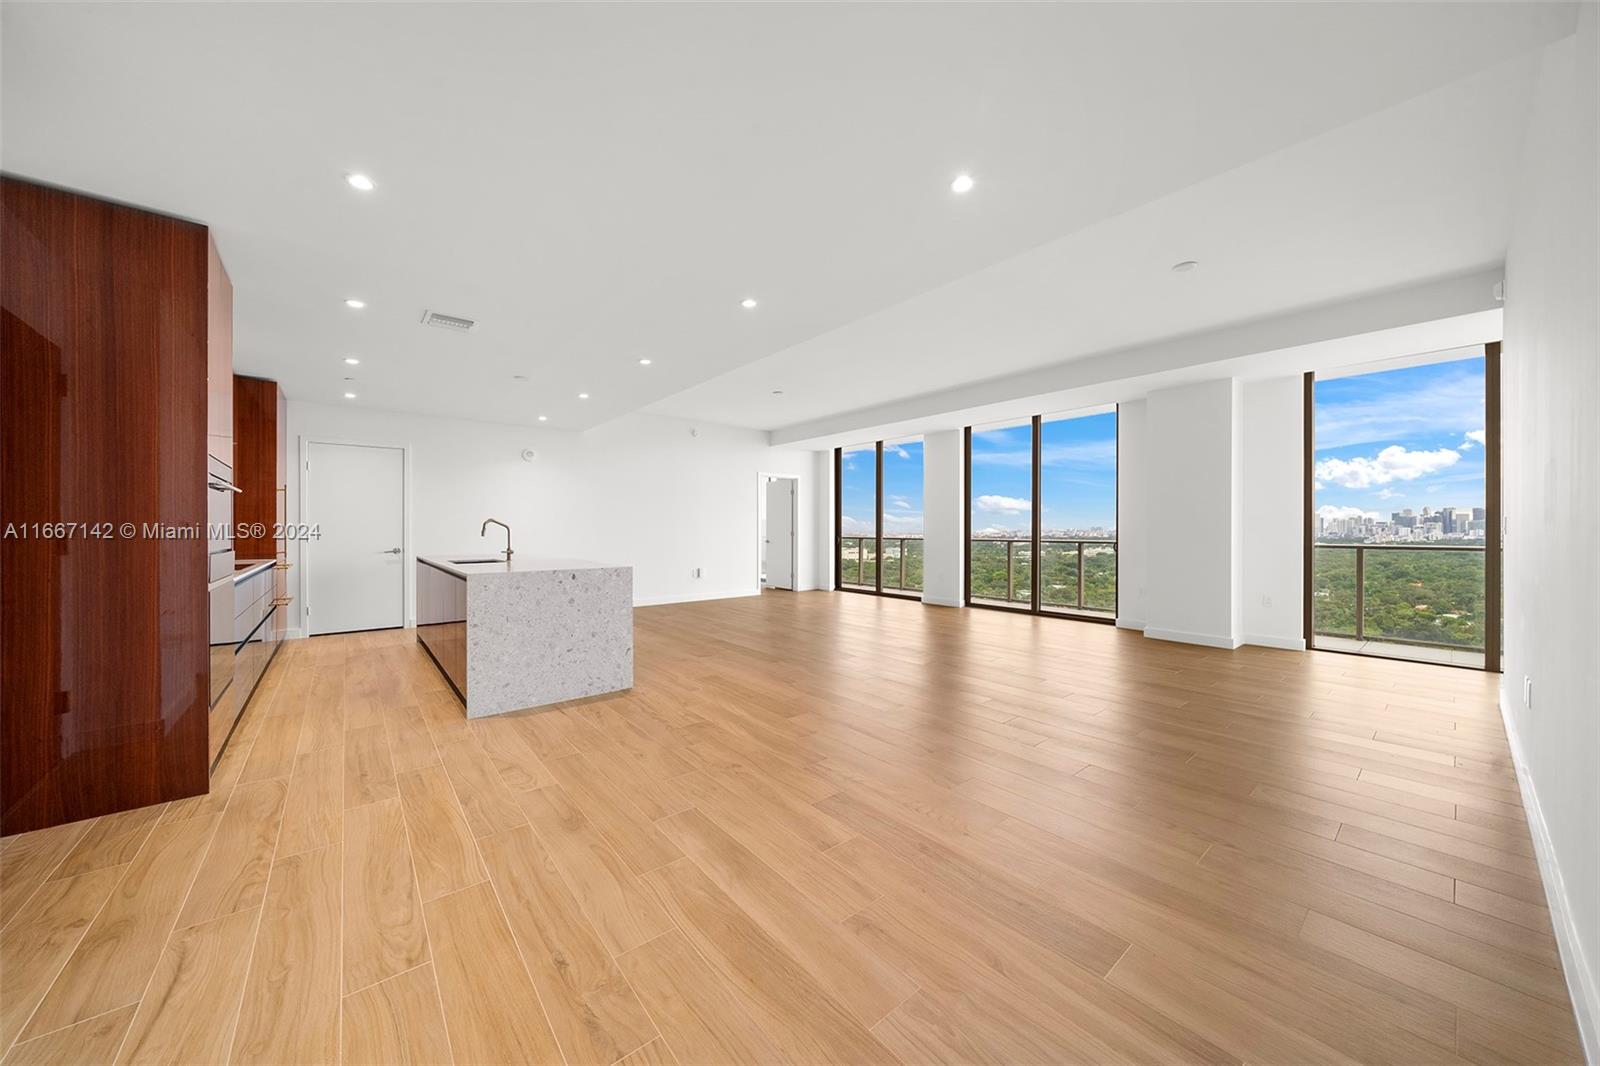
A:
(257, 444)
(103, 635)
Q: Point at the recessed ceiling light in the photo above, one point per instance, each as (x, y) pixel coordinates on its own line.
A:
(583, 395)
(360, 181)
(962, 184)
(1185, 266)
(352, 360)
(349, 395)
(519, 377)
(644, 362)
(543, 418)
(747, 303)
(357, 304)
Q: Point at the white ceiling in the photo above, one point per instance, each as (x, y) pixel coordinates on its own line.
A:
(601, 183)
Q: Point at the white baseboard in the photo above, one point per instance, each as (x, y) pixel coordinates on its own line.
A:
(1127, 623)
(1286, 643)
(940, 601)
(1180, 637)
(1581, 984)
(727, 594)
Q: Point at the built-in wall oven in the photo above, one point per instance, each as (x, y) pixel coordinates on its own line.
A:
(219, 587)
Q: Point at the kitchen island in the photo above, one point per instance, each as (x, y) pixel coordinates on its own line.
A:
(525, 632)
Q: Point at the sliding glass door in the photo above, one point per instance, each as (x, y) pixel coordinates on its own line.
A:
(1041, 515)
(878, 515)
(1402, 498)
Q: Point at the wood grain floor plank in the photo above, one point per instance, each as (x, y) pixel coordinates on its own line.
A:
(699, 1013)
(594, 1012)
(313, 812)
(623, 913)
(29, 858)
(489, 805)
(47, 928)
(441, 842)
(490, 1008)
(294, 969)
(187, 1013)
(383, 926)
(368, 770)
(93, 1040)
(233, 876)
(113, 962)
(396, 1021)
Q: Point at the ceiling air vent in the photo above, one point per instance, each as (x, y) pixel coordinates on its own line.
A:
(443, 321)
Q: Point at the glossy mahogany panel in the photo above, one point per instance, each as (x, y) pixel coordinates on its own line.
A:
(255, 465)
(103, 641)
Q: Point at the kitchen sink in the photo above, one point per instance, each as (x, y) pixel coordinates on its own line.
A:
(479, 559)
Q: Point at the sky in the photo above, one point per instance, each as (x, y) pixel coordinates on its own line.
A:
(902, 489)
(1400, 438)
(1078, 474)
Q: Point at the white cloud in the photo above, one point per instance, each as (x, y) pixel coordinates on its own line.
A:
(1394, 463)
(895, 449)
(1441, 405)
(1387, 494)
(1474, 436)
(900, 502)
(1003, 505)
(854, 527)
(903, 523)
(1328, 512)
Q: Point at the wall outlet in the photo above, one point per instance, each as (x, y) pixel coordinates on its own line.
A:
(695, 572)
(1266, 601)
(1527, 692)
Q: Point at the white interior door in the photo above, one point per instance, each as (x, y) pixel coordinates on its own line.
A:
(780, 533)
(355, 570)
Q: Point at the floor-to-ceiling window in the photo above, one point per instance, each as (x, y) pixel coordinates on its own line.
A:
(902, 517)
(1078, 514)
(857, 518)
(878, 513)
(1042, 515)
(1000, 515)
(1402, 492)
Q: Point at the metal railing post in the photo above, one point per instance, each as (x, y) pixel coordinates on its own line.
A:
(1010, 577)
(1361, 593)
(1079, 604)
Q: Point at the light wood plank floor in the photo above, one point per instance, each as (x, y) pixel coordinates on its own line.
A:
(821, 828)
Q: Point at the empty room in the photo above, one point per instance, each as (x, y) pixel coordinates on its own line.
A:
(699, 533)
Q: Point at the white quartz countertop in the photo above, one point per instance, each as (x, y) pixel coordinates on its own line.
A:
(488, 564)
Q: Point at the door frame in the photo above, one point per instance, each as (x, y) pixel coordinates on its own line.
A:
(1494, 529)
(794, 541)
(407, 563)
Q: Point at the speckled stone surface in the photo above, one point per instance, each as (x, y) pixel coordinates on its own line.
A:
(538, 636)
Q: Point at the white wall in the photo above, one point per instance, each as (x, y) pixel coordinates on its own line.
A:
(944, 500)
(641, 491)
(1550, 419)
(1133, 538)
(1191, 512)
(1272, 524)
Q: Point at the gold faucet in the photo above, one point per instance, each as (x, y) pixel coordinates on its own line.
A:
(483, 532)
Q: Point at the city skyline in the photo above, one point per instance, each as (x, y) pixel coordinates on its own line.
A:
(1410, 438)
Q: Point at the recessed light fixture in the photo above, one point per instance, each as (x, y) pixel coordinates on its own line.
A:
(360, 181)
(519, 377)
(777, 392)
(357, 304)
(644, 362)
(583, 395)
(1185, 266)
(962, 184)
(349, 395)
(352, 360)
(748, 304)
(543, 418)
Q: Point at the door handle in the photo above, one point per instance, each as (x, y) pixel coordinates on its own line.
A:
(393, 551)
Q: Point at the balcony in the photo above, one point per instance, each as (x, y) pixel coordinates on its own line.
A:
(1403, 601)
(1078, 576)
(900, 559)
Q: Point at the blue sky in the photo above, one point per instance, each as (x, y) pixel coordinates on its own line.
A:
(1078, 474)
(902, 489)
(1400, 438)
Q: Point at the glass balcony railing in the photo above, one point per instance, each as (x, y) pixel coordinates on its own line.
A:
(900, 558)
(1077, 575)
(1421, 595)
